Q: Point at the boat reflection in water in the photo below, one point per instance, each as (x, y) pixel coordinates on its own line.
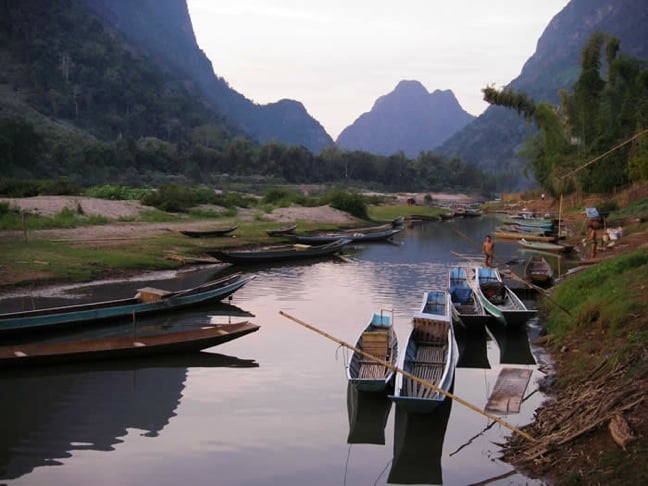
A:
(473, 348)
(102, 400)
(368, 413)
(418, 445)
(513, 344)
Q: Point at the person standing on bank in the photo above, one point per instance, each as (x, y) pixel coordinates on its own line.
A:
(591, 239)
(488, 249)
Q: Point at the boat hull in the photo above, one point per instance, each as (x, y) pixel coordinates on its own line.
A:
(431, 355)
(355, 237)
(380, 340)
(467, 309)
(36, 354)
(498, 299)
(88, 313)
(280, 254)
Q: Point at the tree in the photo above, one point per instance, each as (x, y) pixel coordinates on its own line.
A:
(598, 114)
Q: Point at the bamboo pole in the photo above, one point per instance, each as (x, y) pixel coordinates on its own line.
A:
(410, 376)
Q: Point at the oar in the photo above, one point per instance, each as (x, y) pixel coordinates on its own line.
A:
(409, 375)
(545, 292)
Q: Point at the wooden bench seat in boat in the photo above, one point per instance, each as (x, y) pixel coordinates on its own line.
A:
(151, 294)
(376, 343)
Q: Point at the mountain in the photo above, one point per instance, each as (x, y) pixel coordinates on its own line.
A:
(163, 29)
(408, 119)
(494, 138)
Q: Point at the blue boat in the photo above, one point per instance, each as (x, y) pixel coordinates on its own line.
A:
(431, 355)
(498, 299)
(467, 309)
(147, 301)
(379, 339)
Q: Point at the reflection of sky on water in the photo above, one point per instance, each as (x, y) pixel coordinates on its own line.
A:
(288, 417)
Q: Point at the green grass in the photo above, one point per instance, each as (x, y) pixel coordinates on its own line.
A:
(65, 262)
(606, 293)
(388, 212)
(66, 218)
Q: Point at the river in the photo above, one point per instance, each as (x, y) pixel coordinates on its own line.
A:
(273, 407)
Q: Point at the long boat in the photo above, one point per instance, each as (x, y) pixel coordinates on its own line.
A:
(544, 223)
(122, 347)
(498, 299)
(545, 246)
(431, 354)
(209, 233)
(357, 236)
(538, 271)
(283, 231)
(276, 253)
(467, 309)
(379, 339)
(147, 301)
(518, 235)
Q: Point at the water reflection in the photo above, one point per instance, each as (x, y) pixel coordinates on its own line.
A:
(368, 413)
(293, 417)
(54, 412)
(418, 446)
(473, 348)
(513, 344)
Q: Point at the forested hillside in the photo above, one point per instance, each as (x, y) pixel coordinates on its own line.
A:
(81, 101)
(597, 140)
(494, 140)
(163, 29)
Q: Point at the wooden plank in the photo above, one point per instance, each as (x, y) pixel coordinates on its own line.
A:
(507, 394)
(375, 343)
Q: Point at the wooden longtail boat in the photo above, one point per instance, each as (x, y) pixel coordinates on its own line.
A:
(431, 354)
(545, 246)
(467, 309)
(538, 271)
(498, 299)
(285, 230)
(277, 253)
(378, 339)
(147, 301)
(517, 235)
(209, 233)
(33, 354)
(359, 236)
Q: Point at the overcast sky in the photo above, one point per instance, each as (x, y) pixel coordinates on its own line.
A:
(338, 56)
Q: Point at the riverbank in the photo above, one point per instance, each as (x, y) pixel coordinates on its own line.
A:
(599, 352)
(594, 429)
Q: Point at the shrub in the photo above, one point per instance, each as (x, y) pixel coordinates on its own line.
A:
(118, 193)
(283, 197)
(351, 203)
(171, 198)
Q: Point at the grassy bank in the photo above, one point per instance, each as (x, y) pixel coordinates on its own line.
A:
(600, 349)
(79, 248)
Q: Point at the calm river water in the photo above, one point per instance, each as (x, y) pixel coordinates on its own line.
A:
(271, 408)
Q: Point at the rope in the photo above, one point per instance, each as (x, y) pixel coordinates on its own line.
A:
(595, 159)
(410, 376)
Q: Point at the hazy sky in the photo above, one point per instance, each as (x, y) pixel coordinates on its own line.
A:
(338, 56)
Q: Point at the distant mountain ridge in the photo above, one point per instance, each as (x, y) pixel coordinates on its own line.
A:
(163, 28)
(409, 119)
(494, 138)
